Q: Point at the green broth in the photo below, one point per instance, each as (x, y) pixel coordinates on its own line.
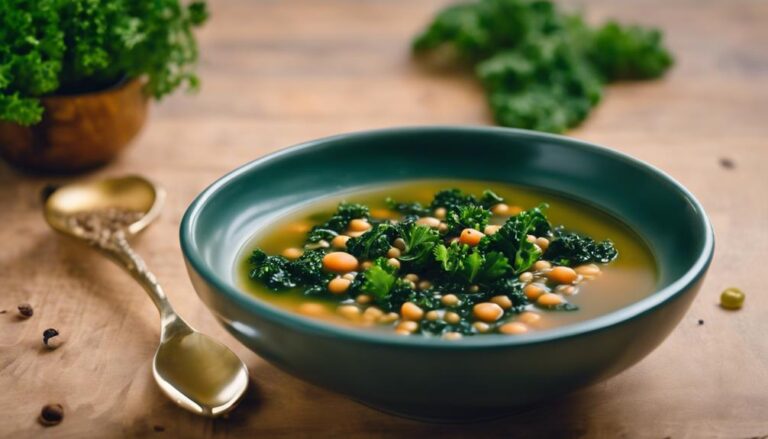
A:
(629, 278)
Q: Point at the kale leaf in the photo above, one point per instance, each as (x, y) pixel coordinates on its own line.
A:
(412, 208)
(378, 281)
(629, 52)
(490, 198)
(279, 273)
(471, 265)
(273, 271)
(511, 240)
(452, 199)
(374, 243)
(467, 216)
(338, 222)
(419, 242)
(542, 68)
(571, 249)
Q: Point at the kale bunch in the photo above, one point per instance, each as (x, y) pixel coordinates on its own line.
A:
(436, 255)
(542, 69)
(72, 46)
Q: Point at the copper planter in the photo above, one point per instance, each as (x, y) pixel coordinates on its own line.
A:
(77, 132)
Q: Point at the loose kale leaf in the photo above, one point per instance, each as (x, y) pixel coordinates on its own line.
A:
(541, 68)
(413, 208)
(467, 216)
(629, 52)
(419, 243)
(338, 222)
(273, 271)
(571, 249)
(374, 243)
(511, 240)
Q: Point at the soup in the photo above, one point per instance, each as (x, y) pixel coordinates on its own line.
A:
(418, 259)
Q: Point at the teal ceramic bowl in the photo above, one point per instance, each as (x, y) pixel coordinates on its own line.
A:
(476, 377)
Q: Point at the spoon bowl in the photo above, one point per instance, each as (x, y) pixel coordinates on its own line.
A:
(199, 373)
(130, 193)
(195, 371)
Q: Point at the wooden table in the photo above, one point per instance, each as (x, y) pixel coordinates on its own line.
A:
(276, 73)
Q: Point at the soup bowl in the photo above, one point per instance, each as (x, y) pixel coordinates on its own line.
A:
(429, 378)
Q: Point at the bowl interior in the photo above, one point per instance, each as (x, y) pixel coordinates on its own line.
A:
(672, 222)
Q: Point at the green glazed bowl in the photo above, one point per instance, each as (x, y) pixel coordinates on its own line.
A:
(427, 378)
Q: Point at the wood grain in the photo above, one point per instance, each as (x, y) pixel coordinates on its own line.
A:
(276, 73)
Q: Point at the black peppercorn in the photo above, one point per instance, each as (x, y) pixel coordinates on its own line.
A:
(25, 310)
(51, 338)
(51, 414)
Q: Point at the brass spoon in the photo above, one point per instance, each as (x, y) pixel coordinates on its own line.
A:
(195, 371)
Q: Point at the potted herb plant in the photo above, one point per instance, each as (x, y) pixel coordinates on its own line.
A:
(76, 75)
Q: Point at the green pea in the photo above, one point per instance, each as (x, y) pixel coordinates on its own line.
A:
(732, 298)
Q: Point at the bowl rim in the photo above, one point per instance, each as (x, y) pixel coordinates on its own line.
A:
(260, 308)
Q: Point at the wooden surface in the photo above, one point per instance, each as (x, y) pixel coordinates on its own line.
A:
(276, 73)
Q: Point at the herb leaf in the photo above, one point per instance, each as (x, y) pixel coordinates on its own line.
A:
(378, 281)
(273, 271)
(374, 243)
(412, 208)
(467, 216)
(511, 240)
(419, 242)
(570, 249)
(338, 222)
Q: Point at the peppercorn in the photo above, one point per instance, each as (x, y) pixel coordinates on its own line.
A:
(51, 414)
(52, 339)
(25, 310)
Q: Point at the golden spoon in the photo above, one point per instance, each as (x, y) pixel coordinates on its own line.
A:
(195, 371)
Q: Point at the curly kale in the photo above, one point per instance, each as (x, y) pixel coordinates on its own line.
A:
(71, 46)
(470, 216)
(440, 261)
(419, 242)
(374, 243)
(280, 273)
(452, 199)
(571, 249)
(542, 68)
(378, 282)
(412, 208)
(511, 238)
(273, 271)
(469, 266)
(338, 222)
